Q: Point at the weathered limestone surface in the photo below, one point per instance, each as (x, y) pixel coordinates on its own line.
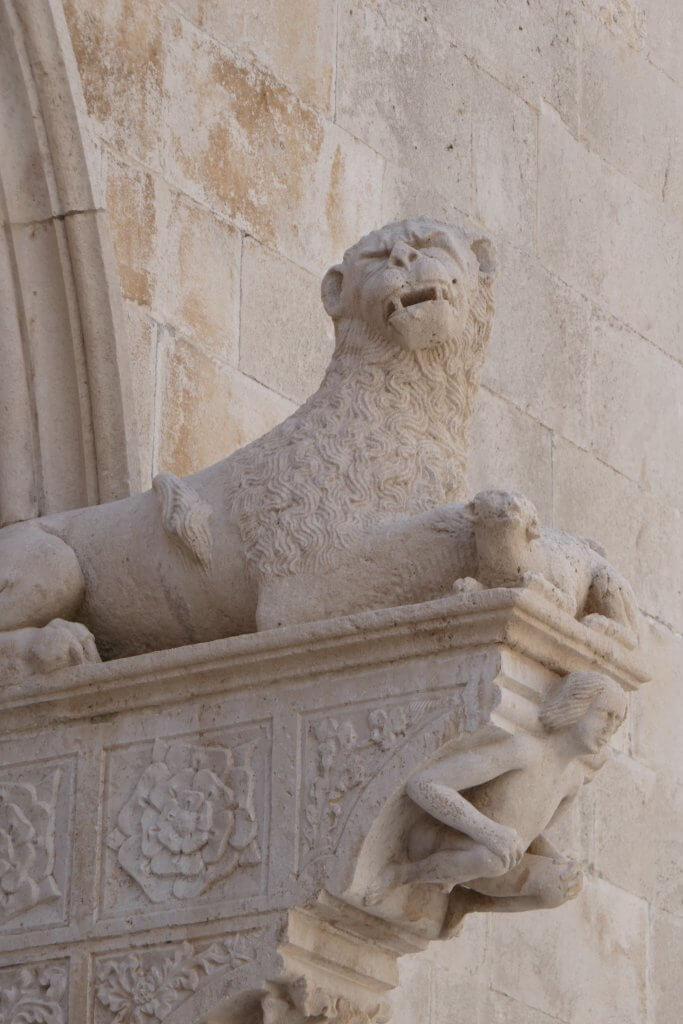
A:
(589, 228)
(271, 758)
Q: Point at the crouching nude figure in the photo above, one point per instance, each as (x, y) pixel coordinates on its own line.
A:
(486, 809)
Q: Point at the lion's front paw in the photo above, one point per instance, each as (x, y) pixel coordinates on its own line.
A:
(540, 585)
(60, 644)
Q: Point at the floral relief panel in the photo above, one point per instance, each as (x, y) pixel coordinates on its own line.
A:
(34, 994)
(35, 843)
(185, 820)
(145, 986)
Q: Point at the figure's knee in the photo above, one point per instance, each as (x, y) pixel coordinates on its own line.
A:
(40, 578)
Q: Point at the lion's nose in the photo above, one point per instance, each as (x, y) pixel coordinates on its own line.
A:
(402, 255)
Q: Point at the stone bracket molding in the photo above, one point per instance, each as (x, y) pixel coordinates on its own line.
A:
(245, 789)
(70, 438)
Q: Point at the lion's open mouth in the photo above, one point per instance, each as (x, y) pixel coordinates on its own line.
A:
(416, 296)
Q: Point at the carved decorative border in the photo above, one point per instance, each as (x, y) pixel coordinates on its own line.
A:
(36, 828)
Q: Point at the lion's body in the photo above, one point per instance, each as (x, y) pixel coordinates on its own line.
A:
(339, 508)
(376, 444)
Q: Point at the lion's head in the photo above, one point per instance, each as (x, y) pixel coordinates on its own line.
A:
(386, 433)
(414, 284)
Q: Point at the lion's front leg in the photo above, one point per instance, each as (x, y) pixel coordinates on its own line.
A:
(38, 650)
(611, 606)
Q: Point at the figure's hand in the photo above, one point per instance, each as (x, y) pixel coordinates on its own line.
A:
(508, 845)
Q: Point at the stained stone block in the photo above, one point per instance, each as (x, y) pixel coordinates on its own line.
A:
(530, 48)
(664, 37)
(656, 731)
(541, 362)
(667, 982)
(627, 791)
(504, 162)
(198, 291)
(591, 952)
(635, 407)
(233, 409)
(646, 533)
(287, 349)
(142, 333)
(407, 93)
(133, 200)
(121, 58)
(243, 144)
(295, 41)
(621, 89)
(524, 464)
(587, 213)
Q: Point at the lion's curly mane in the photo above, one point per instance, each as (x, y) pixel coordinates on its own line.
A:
(385, 435)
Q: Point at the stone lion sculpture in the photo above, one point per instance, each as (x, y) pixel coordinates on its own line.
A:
(351, 503)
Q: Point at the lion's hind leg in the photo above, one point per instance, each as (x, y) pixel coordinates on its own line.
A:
(40, 578)
(41, 586)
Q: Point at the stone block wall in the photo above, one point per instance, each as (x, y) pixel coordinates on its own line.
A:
(244, 145)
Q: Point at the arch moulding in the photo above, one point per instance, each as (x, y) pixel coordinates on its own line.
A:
(66, 413)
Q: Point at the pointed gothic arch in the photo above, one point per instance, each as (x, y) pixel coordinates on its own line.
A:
(67, 432)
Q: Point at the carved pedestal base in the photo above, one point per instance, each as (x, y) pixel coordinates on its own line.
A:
(226, 811)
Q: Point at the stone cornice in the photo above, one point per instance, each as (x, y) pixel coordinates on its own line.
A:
(514, 618)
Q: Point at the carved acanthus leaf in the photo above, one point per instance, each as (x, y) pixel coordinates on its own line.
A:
(33, 994)
(301, 1002)
(145, 987)
(348, 754)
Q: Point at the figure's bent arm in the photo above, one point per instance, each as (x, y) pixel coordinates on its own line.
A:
(447, 805)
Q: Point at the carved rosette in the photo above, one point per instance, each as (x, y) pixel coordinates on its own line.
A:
(190, 821)
(146, 986)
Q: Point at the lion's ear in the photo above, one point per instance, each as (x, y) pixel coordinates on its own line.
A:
(331, 289)
(485, 252)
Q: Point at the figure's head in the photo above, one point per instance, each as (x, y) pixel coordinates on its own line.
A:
(495, 508)
(593, 706)
(413, 283)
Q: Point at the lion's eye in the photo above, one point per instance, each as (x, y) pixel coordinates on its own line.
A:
(379, 254)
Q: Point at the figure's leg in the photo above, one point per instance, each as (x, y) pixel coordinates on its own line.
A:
(446, 867)
(41, 585)
(535, 882)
